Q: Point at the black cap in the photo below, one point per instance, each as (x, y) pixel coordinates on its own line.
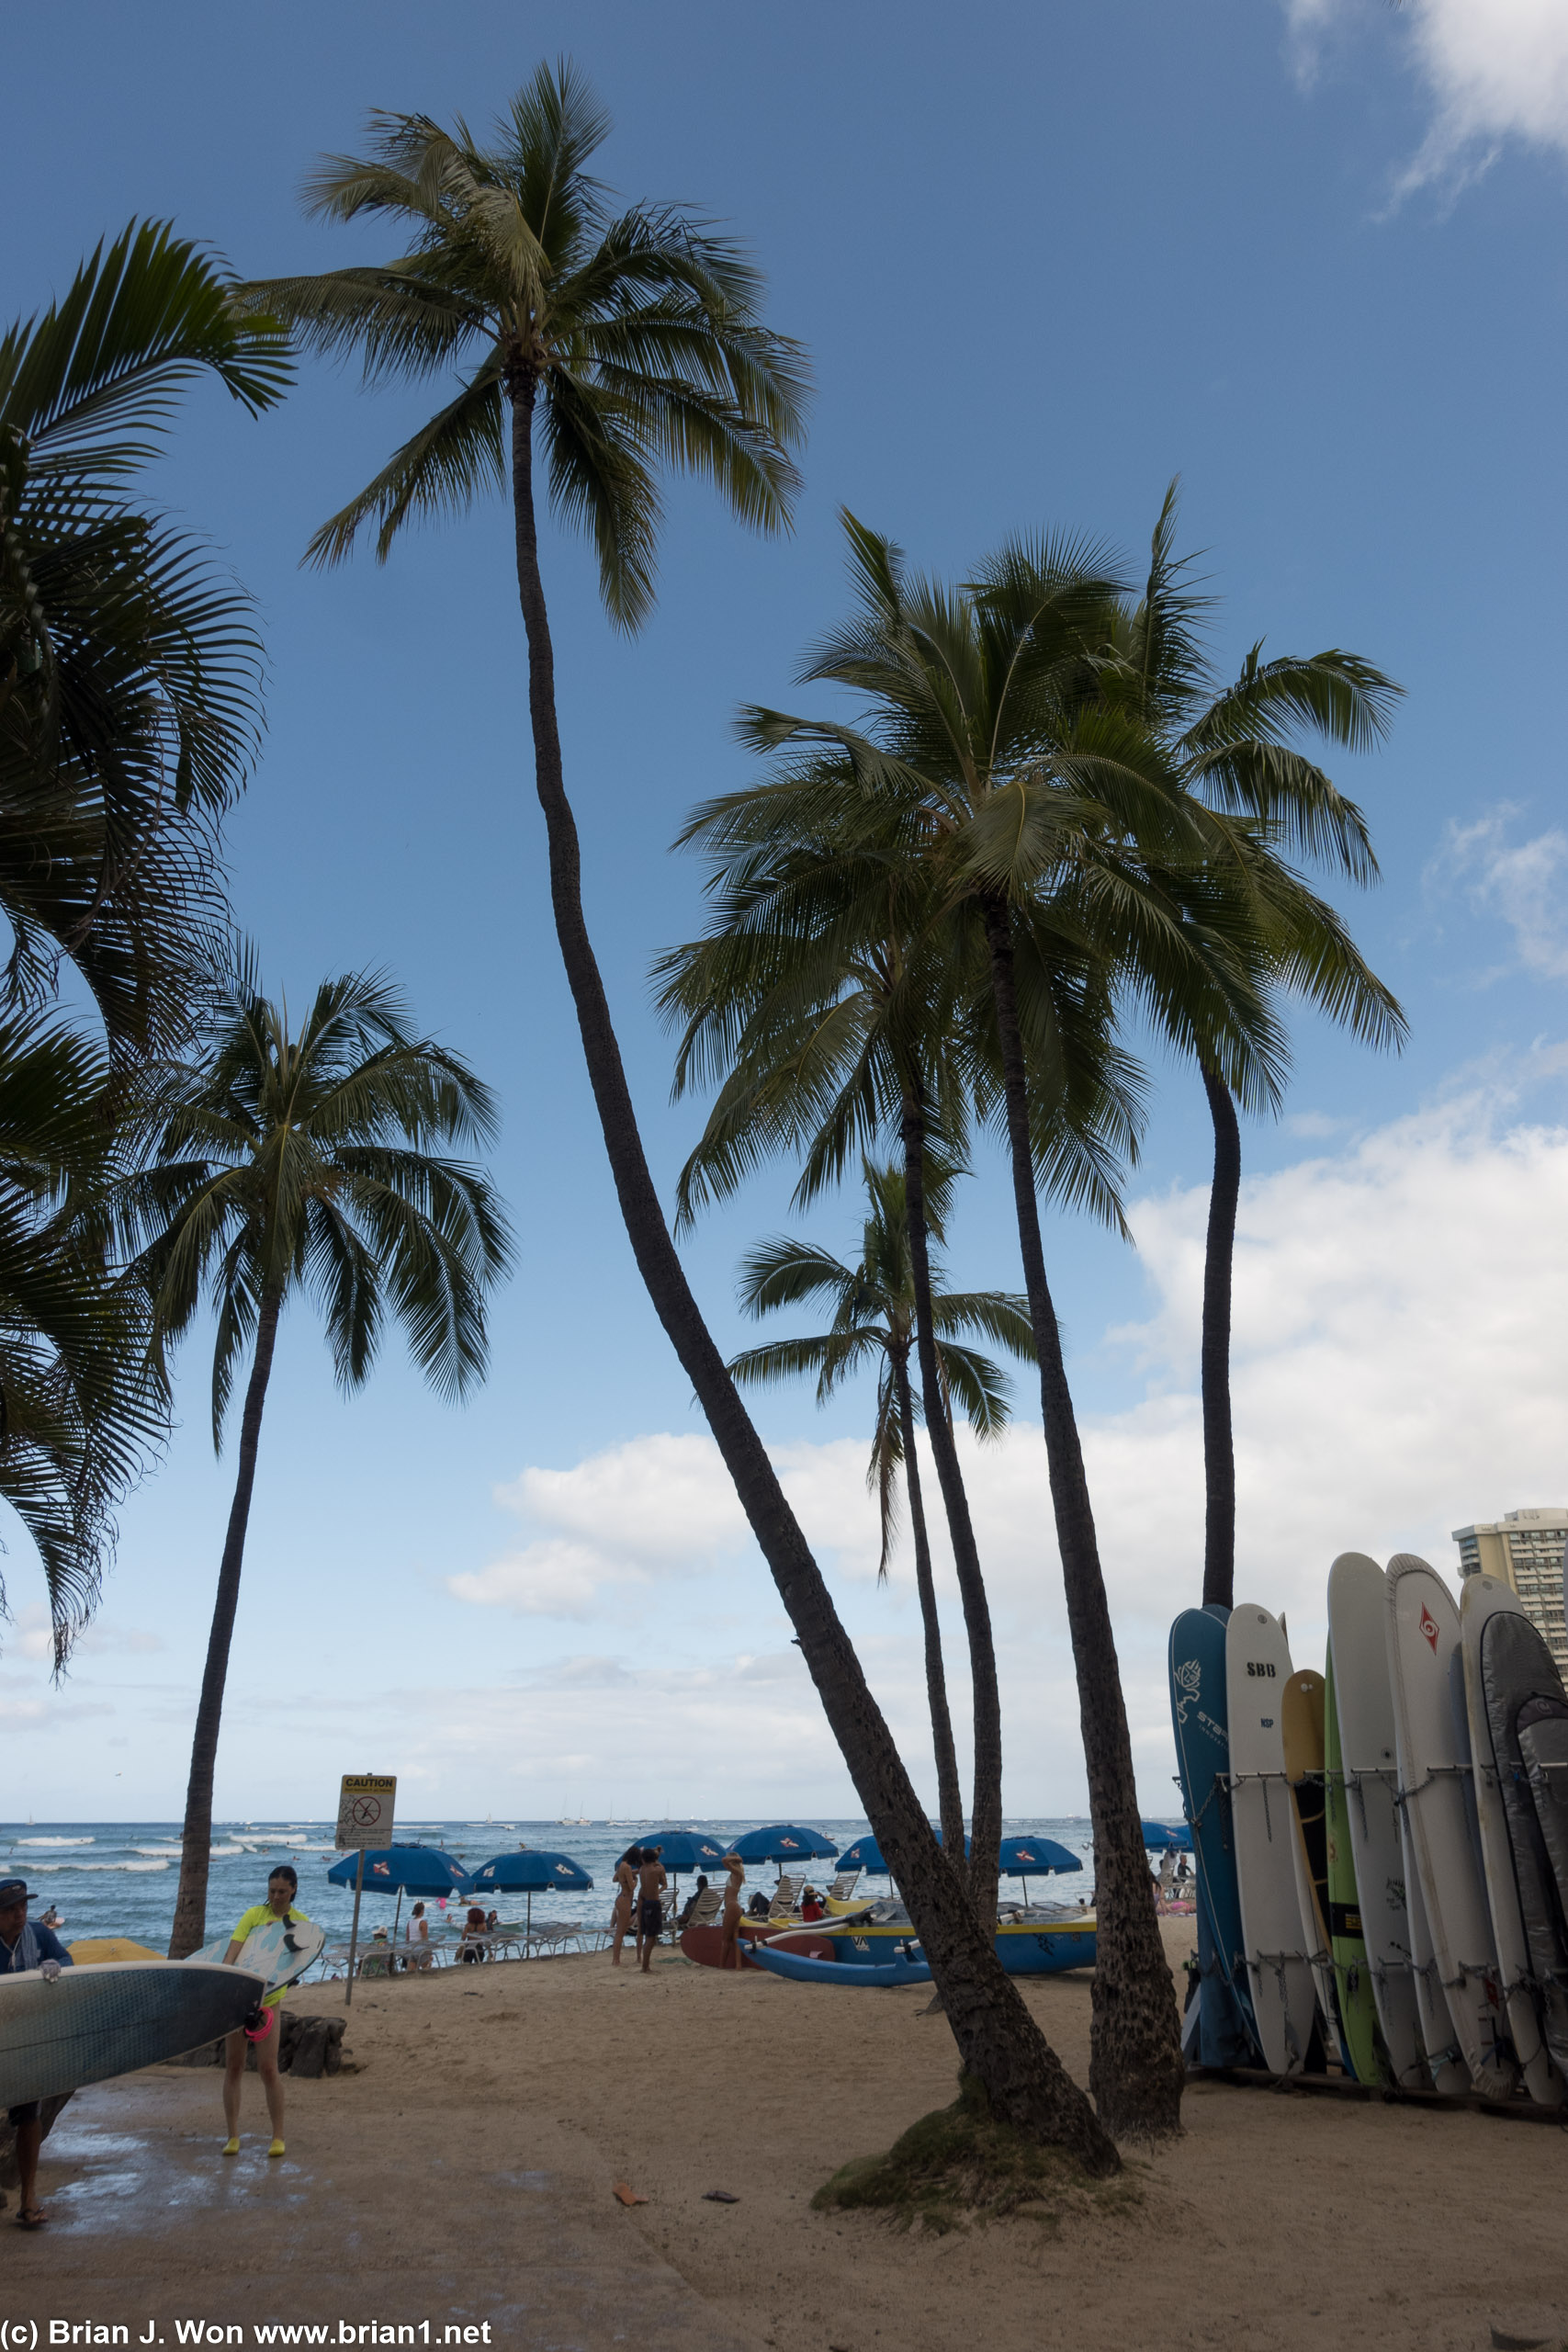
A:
(13, 1890)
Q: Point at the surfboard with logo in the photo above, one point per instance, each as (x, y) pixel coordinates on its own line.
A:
(1433, 1742)
(1284, 1999)
(1199, 1719)
(1519, 1698)
(279, 1949)
(1363, 1698)
(1354, 1996)
(1484, 1601)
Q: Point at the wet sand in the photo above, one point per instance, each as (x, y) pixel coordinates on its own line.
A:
(466, 2175)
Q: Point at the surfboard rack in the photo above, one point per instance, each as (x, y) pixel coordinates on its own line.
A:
(1257, 2078)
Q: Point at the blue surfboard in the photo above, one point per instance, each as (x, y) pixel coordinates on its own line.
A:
(1199, 1718)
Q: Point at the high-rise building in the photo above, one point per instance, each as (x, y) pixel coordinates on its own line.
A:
(1524, 1548)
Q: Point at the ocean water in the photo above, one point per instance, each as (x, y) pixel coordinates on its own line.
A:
(121, 1878)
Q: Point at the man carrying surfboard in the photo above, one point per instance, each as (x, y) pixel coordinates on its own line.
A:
(281, 1888)
(24, 1946)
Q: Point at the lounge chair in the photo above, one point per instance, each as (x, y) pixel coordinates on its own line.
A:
(843, 1887)
(787, 1899)
(706, 1908)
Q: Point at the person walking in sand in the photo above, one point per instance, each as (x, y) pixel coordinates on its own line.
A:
(282, 1886)
(625, 1897)
(651, 1882)
(729, 1931)
(22, 1946)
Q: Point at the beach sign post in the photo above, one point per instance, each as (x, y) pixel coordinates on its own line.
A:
(365, 1808)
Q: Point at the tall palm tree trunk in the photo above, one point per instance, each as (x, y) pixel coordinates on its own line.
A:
(986, 1813)
(1219, 1449)
(949, 1796)
(190, 1905)
(1135, 2065)
(997, 2040)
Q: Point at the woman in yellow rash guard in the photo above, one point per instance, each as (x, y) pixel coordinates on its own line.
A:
(281, 1888)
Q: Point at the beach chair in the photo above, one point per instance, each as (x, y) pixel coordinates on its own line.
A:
(786, 1896)
(843, 1887)
(709, 1903)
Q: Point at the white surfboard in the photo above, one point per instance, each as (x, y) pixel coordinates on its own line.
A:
(1258, 1667)
(1481, 1598)
(1433, 1742)
(279, 1949)
(1358, 1605)
(91, 2023)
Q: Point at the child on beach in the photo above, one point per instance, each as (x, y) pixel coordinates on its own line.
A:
(282, 1886)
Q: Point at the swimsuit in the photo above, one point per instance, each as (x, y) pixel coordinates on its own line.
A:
(652, 1917)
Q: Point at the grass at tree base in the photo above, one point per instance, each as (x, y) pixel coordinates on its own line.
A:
(960, 2164)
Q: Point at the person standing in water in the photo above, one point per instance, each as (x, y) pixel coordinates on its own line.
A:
(728, 1941)
(651, 1882)
(626, 1896)
(281, 1888)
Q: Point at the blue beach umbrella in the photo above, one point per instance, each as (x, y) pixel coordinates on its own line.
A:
(685, 1849)
(1036, 1858)
(525, 1871)
(784, 1842)
(399, 1871)
(402, 1870)
(1027, 1858)
(865, 1854)
(1158, 1835)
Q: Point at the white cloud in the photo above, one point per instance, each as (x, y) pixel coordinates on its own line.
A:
(1493, 70)
(34, 1637)
(1399, 1369)
(1522, 882)
(654, 1509)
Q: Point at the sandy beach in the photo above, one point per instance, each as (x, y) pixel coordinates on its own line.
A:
(464, 2174)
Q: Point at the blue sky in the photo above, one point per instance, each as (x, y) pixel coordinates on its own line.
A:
(1313, 260)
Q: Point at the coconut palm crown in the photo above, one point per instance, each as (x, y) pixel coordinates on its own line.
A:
(635, 335)
(130, 667)
(291, 1161)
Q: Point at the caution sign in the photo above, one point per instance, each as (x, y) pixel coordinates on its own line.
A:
(365, 1810)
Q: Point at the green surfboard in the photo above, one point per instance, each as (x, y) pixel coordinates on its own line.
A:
(1352, 1975)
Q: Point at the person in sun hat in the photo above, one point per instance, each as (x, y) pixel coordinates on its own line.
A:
(282, 1886)
(24, 1945)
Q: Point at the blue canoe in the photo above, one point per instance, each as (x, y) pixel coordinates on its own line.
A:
(1045, 1951)
(851, 1970)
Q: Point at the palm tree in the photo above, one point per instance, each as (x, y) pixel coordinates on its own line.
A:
(284, 1162)
(994, 787)
(873, 1323)
(79, 1416)
(624, 344)
(129, 670)
(1258, 797)
(817, 1003)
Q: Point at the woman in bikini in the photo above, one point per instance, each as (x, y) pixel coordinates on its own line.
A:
(626, 1895)
(728, 1944)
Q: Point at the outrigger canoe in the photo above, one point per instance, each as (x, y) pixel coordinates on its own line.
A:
(841, 1968)
(1029, 1942)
